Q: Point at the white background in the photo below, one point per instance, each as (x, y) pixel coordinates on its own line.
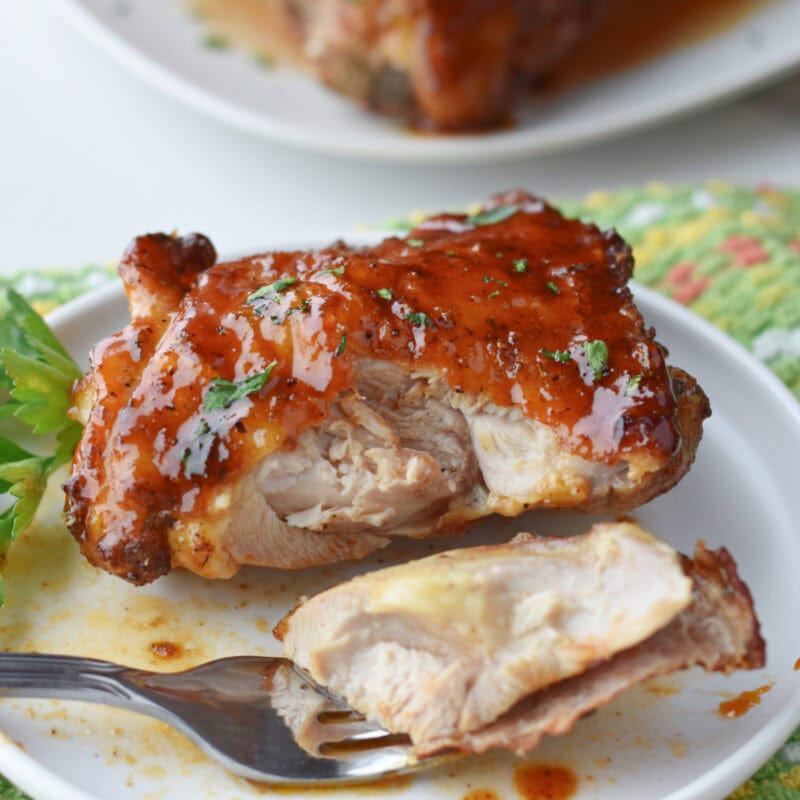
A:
(91, 156)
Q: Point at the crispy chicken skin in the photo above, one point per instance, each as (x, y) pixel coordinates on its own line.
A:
(298, 408)
(496, 646)
(443, 64)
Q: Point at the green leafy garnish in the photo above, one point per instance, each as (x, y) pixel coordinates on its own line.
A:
(341, 346)
(562, 356)
(492, 216)
(384, 294)
(520, 264)
(493, 294)
(221, 393)
(419, 319)
(597, 355)
(36, 378)
(333, 271)
(553, 288)
(633, 384)
(271, 289)
(216, 42)
(415, 242)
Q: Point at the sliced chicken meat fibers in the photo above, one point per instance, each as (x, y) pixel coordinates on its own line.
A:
(298, 408)
(495, 646)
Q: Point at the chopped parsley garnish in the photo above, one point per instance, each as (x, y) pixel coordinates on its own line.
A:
(633, 384)
(342, 344)
(216, 42)
(384, 294)
(597, 355)
(36, 378)
(492, 216)
(493, 294)
(520, 264)
(202, 429)
(553, 288)
(222, 394)
(333, 271)
(562, 356)
(415, 242)
(419, 319)
(264, 60)
(487, 279)
(274, 288)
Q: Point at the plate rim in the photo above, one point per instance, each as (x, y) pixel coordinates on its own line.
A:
(491, 148)
(42, 783)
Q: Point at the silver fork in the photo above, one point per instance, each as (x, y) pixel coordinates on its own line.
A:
(234, 709)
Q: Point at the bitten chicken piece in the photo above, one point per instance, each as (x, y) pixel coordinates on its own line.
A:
(495, 646)
(443, 64)
(298, 408)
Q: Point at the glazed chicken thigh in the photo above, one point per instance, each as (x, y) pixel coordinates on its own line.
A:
(442, 64)
(299, 408)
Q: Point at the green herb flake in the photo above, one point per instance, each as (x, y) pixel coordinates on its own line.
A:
(264, 60)
(275, 288)
(553, 288)
(492, 216)
(222, 394)
(597, 355)
(341, 346)
(493, 294)
(419, 320)
(36, 376)
(216, 42)
(333, 271)
(562, 356)
(384, 294)
(486, 279)
(633, 384)
(520, 264)
(415, 242)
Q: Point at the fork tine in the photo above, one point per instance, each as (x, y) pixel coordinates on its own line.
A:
(369, 740)
(339, 717)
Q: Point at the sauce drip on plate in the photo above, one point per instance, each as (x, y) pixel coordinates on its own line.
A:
(545, 782)
(738, 706)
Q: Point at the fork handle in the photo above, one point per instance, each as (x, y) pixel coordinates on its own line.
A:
(65, 678)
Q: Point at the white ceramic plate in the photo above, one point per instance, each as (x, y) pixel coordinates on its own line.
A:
(665, 740)
(158, 40)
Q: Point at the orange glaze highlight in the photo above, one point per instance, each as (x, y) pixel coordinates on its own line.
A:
(738, 706)
(797, 665)
(545, 782)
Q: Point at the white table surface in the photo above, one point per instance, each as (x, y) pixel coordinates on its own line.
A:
(91, 156)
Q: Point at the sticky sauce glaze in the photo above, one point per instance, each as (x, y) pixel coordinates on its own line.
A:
(485, 306)
(545, 782)
(627, 34)
(738, 706)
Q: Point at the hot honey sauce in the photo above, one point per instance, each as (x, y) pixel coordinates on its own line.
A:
(229, 362)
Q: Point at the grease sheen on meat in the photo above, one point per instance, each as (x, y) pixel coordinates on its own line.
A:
(298, 408)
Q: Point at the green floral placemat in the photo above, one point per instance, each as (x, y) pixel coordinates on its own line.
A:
(729, 253)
